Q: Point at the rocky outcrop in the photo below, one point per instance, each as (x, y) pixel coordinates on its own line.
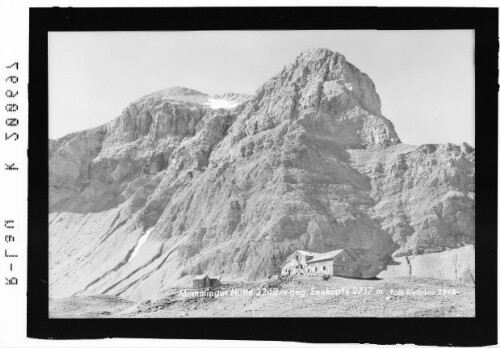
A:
(453, 264)
(237, 98)
(425, 195)
(233, 188)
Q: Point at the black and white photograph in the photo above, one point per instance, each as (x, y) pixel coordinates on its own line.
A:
(322, 173)
(204, 175)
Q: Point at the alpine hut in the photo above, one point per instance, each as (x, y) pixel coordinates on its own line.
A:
(296, 263)
(336, 263)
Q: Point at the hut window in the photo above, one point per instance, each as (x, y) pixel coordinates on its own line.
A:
(324, 268)
(315, 269)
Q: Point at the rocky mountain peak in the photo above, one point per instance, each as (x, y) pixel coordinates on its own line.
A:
(330, 73)
(318, 55)
(328, 96)
(180, 90)
(234, 184)
(176, 93)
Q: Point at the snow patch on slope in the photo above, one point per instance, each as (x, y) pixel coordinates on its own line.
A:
(140, 242)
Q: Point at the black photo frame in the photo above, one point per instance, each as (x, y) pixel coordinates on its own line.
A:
(477, 331)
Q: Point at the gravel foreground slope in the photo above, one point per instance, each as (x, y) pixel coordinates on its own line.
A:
(289, 297)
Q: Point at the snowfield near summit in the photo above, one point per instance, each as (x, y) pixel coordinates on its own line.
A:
(221, 103)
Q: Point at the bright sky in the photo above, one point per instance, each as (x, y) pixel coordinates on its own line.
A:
(425, 79)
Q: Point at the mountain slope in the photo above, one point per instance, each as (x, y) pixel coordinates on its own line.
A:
(309, 162)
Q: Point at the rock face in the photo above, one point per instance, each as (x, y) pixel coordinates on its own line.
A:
(232, 184)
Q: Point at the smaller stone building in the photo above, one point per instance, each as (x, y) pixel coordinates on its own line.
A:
(204, 281)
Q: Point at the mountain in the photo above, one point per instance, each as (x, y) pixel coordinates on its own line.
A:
(183, 183)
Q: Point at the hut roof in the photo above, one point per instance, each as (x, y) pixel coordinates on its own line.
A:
(325, 256)
(200, 276)
(303, 252)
